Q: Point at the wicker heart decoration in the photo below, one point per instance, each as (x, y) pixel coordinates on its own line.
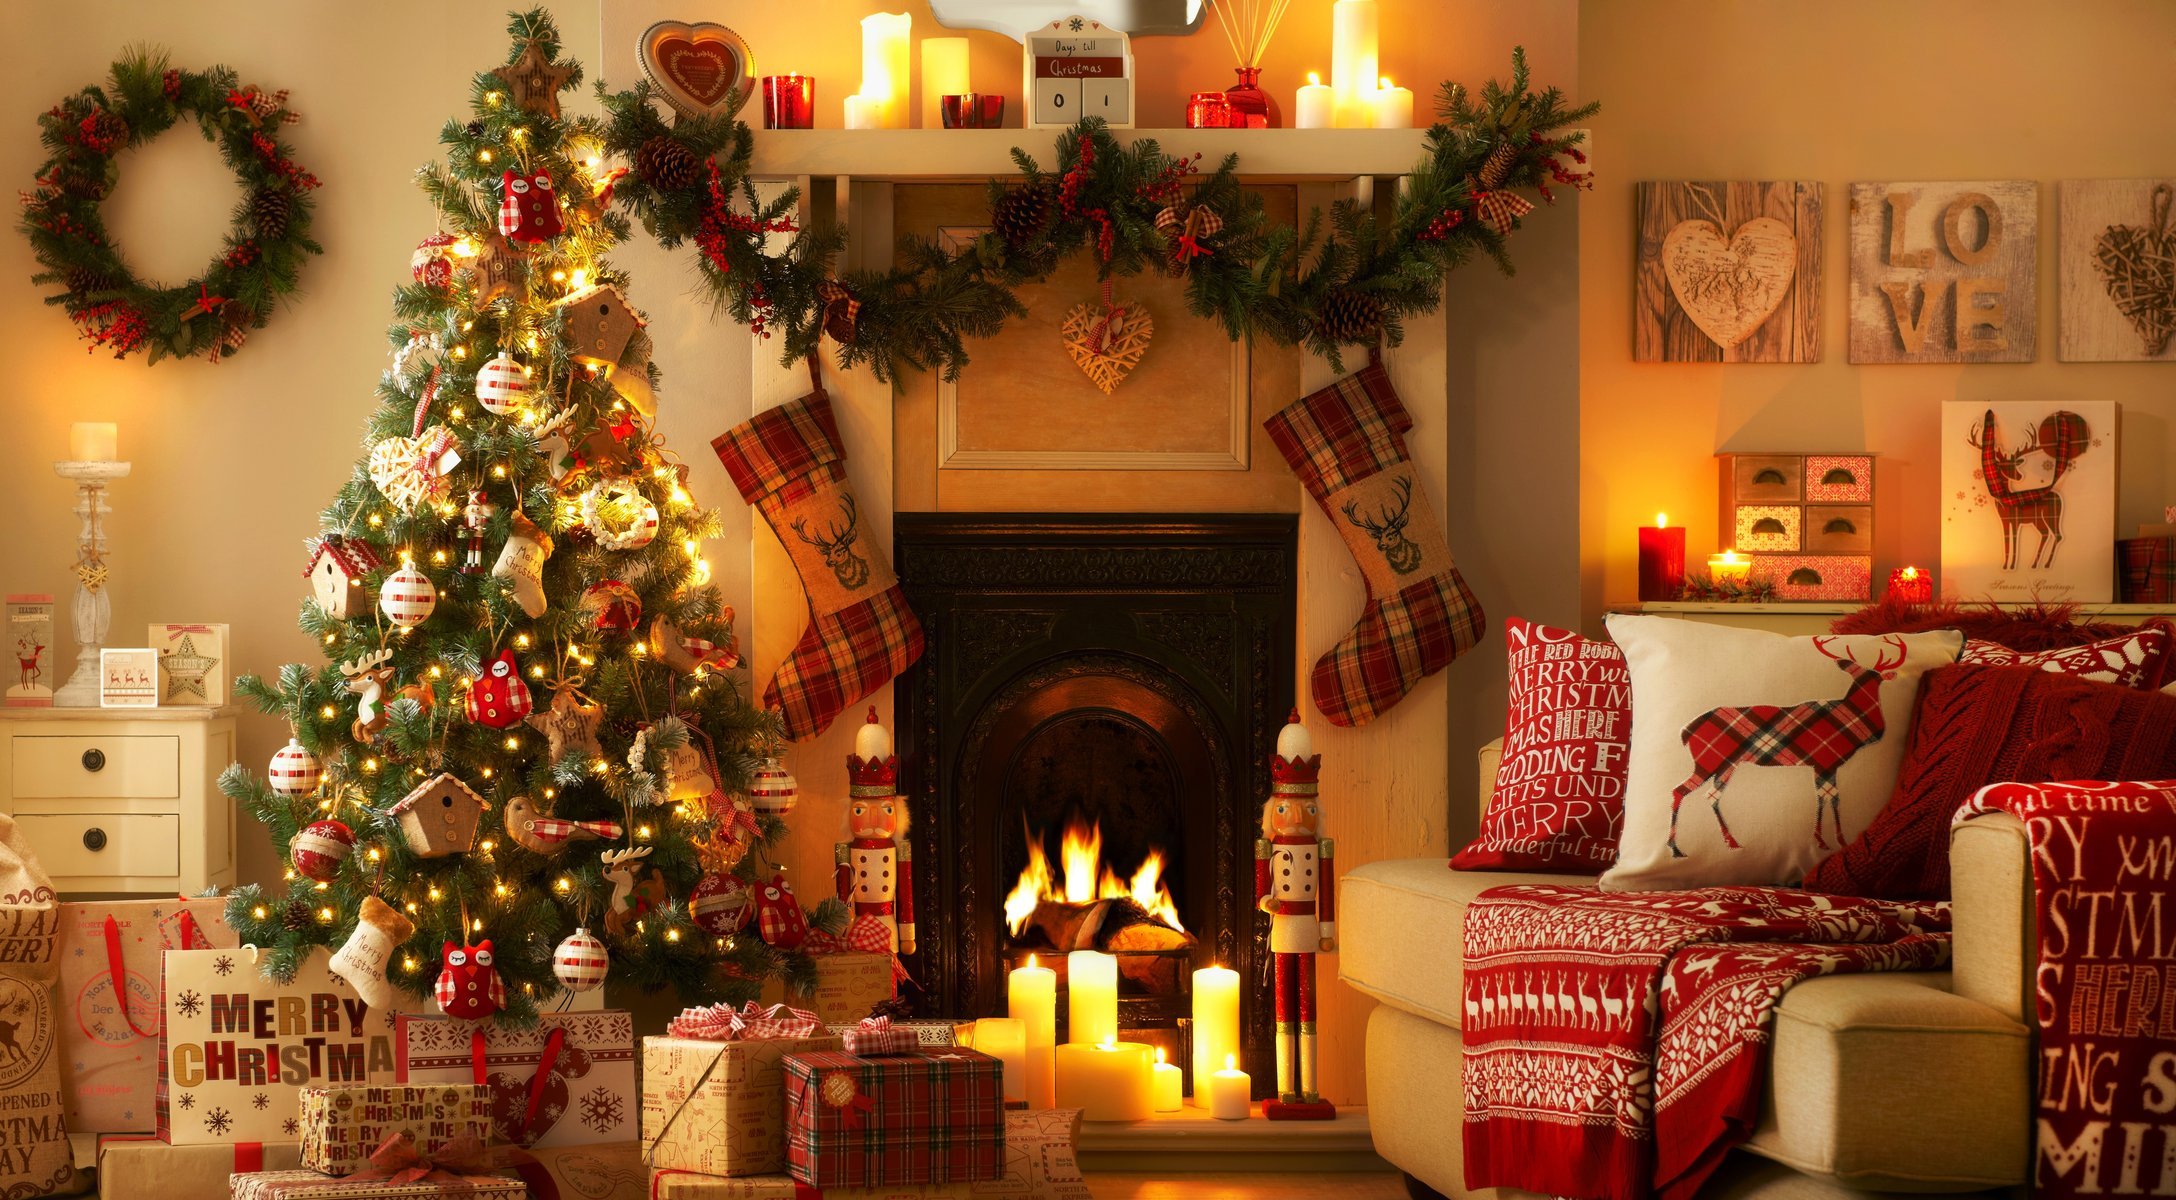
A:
(1124, 340)
(2137, 264)
(1729, 287)
(696, 67)
(411, 471)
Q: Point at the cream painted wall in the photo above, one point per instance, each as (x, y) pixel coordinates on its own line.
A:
(1841, 91)
(232, 462)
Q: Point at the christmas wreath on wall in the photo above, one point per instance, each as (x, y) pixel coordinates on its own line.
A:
(212, 314)
(1348, 281)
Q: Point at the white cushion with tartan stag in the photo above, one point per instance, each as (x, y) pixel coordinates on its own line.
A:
(1755, 756)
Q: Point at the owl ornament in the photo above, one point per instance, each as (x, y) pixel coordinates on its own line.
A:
(779, 919)
(499, 698)
(468, 982)
(529, 208)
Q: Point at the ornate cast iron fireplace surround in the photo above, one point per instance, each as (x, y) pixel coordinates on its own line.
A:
(1192, 617)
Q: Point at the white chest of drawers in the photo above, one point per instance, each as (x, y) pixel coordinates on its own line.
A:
(118, 800)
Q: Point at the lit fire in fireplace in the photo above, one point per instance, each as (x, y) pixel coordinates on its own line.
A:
(1084, 878)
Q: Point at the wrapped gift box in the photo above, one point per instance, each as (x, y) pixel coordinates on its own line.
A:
(933, 1116)
(610, 1171)
(342, 1125)
(587, 1060)
(311, 1185)
(718, 1107)
(848, 986)
(1040, 1164)
(111, 990)
(927, 1033)
(133, 1166)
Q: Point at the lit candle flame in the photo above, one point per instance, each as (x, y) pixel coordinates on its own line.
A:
(1231, 1062)
(1314, 79)
(1159, 1056)
(1662, 520)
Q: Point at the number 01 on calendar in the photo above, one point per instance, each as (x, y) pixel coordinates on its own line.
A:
(1078, 68)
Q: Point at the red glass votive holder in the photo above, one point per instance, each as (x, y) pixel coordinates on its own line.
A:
(1662, 562)
(1910, 585)
(789, 101)
(972, 110)
(1208, 110)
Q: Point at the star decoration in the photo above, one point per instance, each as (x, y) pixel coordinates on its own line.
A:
(570, 724)
(500, 266)
(185, 670)
(533, 82)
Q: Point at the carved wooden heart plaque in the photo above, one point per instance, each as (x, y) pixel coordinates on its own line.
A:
(697, 67)
(1729, 287)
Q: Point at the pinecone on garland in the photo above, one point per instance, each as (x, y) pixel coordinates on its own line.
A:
(84, 281)
(270, 211)
(297, 915)
(1022, 214)
(1497, 165)
(666, 165)
(1348, 316)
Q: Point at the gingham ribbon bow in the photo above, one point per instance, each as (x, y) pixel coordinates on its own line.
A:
(1186, 231)
(842, 312)
(464, 1160)
(876, 1035)
(1498, 210)
(751, 1022)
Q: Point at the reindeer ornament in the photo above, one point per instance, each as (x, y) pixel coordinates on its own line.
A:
(368, 677)
(1292, 883)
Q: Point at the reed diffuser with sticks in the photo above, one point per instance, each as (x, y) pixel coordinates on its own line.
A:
(1248, 26)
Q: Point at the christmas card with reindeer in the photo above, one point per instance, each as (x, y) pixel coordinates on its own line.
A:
(2029, 500)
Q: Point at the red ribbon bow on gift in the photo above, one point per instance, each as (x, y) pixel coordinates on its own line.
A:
(751, 1022)
(462, 1160)
(840, 1090)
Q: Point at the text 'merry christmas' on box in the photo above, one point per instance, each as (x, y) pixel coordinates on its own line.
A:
(112, 963)
(568, 1080)
(343, 1126)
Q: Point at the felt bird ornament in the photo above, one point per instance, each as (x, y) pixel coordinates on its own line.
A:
(537, 833)
(468, 982)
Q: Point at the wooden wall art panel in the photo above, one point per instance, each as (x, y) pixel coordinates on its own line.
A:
(1944, 272)
(2117, 263)
(1728, 272)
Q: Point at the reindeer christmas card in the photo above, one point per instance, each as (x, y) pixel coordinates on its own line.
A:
(2028, 491)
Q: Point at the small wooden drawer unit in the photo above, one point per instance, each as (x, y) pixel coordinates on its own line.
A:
(1815, 509)
(117, 800)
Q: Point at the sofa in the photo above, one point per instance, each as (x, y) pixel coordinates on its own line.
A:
(1878, 1084)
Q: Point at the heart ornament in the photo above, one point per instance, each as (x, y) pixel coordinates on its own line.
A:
(412, 471)
(697, 68)
(1110, 354)
(1730, 286)
(2137, 265)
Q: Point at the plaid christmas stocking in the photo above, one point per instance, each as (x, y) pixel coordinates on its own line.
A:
(788, 462)
(1347, 445)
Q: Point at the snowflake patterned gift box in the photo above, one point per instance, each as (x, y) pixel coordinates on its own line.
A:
(934, 1116)
(237, 1049)
(341, 1126)
(719, 1107)
(569, 1080)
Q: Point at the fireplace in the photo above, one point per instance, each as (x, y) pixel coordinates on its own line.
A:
(1086, 743)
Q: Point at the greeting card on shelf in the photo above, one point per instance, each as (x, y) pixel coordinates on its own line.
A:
(1077, 67)
(28, 631)
(192, 663)
(2029, 500)
(128, 678)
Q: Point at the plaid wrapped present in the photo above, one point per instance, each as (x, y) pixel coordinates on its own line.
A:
(342, 1126)
(877, 1035)
(1040, 1164)
(715, 1103)
(933, 1116)
(2148, 566)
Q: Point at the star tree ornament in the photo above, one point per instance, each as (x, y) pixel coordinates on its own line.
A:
(570, 724)
(581, 961)
(534, 81)
(500, 699)
(320, 848)
(408, 597)
(294, 770)
(468, 987)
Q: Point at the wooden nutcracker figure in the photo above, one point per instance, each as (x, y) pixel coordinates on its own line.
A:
(474, 516)
(1292, 883)
(876, 868)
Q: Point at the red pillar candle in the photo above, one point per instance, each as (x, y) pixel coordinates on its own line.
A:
(1910, 585)
(789, 102)
(1662, 560)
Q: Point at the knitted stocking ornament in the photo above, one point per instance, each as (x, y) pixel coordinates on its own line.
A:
(1347, 445)
(788, 462)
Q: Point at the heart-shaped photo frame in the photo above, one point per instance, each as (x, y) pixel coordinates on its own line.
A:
(696, 67)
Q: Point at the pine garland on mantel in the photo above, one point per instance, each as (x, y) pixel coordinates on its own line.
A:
(1350, 280)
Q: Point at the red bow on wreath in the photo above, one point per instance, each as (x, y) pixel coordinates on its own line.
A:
(842, 312)
(206, 303)
(1186, 230)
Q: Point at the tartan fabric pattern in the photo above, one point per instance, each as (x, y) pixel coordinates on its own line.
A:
(935, 1116)
(777, 458)
(2148, 567)
(1333, 439)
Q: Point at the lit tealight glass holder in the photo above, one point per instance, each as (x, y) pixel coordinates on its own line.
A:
(973, 110)
(789, 101)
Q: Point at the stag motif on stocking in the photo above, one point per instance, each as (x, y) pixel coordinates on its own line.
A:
(1822, 734)
(1387, 527)
(837, 546)
(2062, 437)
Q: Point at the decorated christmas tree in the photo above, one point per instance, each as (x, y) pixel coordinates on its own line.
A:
(528, 753)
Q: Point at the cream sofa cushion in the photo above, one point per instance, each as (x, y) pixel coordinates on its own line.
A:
(1401, 930)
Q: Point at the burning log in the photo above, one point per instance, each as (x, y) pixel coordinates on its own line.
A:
(1115, 926)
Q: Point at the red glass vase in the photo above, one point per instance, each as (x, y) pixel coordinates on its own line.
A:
(1252, 108)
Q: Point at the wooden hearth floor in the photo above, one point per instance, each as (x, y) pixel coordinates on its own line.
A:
(1190, 1140)
(1347, 1185)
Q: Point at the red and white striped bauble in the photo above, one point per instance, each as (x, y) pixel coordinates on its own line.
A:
(772, 789)
(320, 848)
(502, 384)
(407, 597)
(294, 770)
(581, 961)
(721, 903)
(432, 263)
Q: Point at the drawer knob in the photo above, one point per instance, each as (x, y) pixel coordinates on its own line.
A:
(94, 839)
(94, 760)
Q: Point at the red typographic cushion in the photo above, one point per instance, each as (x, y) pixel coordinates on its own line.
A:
(2136, 659)
(1559, 799)
(1982, 724)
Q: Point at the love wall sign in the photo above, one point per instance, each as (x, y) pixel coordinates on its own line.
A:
(1728, 272)
(696, 68)
(1944, 272)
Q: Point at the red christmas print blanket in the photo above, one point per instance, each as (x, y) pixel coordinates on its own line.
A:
(2104, 889)
(1615, 1042)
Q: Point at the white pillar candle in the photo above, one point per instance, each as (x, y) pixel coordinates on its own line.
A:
(1091, 986)
(1167, 1085)
(944, 73)
(1353, 32)
(93, 441)
(1228, 1091)
(1216, 1024)
(1392, 107)
(860, 114)
(885, 38)
(1032, 997)
(1107, 1082)
(1315, 107)
(1006, 1040)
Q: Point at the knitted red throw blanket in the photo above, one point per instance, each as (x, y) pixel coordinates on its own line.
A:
(1615, 1043)
(2104, 892)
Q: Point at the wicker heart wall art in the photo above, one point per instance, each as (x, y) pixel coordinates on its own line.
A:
(2137, 266)
(1107, 341)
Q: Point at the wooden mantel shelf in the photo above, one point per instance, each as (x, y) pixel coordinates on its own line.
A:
(1264, 154)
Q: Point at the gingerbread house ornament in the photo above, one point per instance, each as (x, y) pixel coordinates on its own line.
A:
(599, 325)
(336, 570)
(439, 817)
